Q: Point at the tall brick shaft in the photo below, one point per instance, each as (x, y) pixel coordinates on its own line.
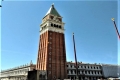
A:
(51, 52)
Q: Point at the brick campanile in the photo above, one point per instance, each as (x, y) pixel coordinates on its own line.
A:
(51, 52)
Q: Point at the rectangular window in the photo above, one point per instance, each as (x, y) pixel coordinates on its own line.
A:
(67, 72)
(59, 26)
(67, 65)
(97, 67)
(71, 72)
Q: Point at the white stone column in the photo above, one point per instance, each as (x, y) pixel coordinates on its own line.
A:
(80, 72)
(99, 73)
(87, 73)
(84, 72)
(48, 23)
(69, 72)
(96, 72)
(90, 73)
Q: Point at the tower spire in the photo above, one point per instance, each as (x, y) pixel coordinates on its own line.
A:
(53, 11)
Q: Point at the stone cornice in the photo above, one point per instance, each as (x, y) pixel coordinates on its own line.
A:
(52, 29)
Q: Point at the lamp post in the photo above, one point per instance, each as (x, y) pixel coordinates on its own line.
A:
(75, 58)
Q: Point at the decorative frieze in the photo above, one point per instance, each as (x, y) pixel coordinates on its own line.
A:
(52, 29)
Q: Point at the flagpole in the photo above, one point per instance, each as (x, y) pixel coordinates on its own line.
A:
(75, 57)
(116, 27)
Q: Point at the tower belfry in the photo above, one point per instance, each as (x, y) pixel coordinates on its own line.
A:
(51, 52)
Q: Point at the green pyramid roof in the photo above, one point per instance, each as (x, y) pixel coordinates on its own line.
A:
(53, 11)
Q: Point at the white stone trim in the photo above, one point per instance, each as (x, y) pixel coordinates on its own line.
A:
(51, 21)
(52, 29)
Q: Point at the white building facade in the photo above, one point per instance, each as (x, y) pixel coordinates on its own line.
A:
(86, 71)
(110, 71)
(17, 73)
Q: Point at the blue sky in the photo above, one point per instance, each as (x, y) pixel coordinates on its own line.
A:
(95, 35)
(119, 32)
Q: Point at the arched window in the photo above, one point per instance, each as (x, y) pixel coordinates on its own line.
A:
(51, 17)
(75, 71)
(71, 72)
(54, 25)
(40, 76)
(92, 72)
(67, 72)
(97, 67)
(59, 26)
(59, 19)
(82, 72)
(51, 24)
(67, 65)
(89, 72)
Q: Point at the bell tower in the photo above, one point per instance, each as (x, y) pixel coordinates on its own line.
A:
(51, 52)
